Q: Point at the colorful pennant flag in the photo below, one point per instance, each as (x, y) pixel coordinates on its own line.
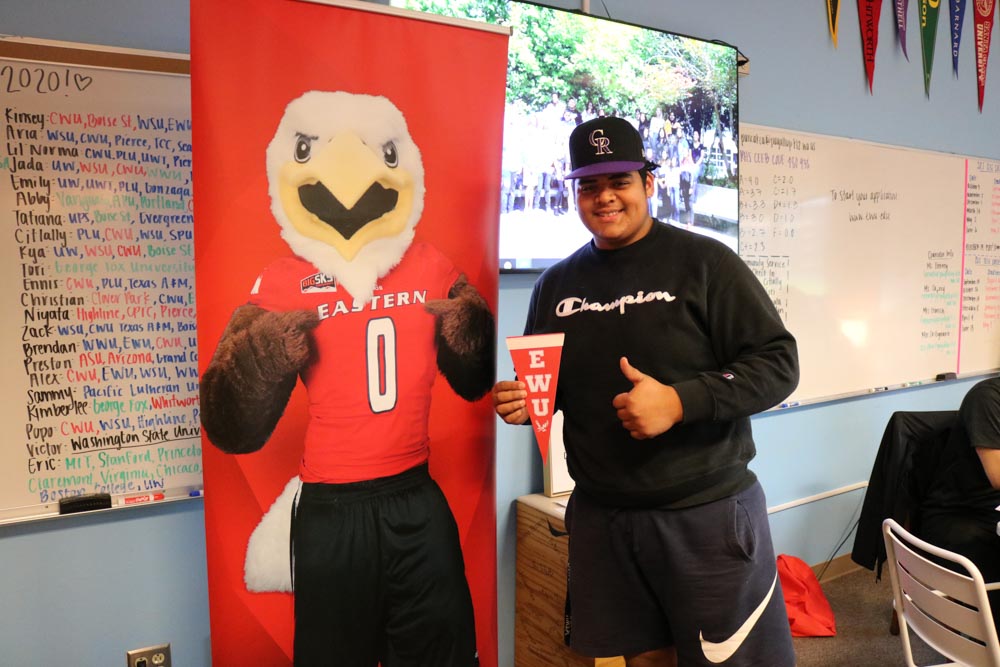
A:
(868, 15)
(833, 18)
(984, 11)
(957, 16)
(901, 7)
(536, 362)
(929, 11)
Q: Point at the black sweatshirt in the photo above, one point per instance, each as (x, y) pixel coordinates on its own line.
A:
(687, 311)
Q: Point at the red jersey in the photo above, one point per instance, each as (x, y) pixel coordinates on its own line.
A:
(370, 384)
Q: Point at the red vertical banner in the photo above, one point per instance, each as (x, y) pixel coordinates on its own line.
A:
(984, 13)
(536, 362)
(253, 64)
(869, 12)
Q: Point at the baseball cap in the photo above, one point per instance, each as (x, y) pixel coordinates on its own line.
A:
(606, 145)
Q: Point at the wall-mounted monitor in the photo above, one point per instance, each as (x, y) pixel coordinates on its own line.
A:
(566, 67)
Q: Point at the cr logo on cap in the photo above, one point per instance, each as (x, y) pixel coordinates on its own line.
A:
(601, 142)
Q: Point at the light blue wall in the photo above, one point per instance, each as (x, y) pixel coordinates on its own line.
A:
(91, 587)
(81, 590)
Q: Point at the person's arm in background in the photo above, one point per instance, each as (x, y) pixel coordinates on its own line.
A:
(980, 412)
(990, 459)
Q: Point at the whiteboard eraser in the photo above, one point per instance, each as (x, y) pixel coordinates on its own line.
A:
(940, 377)
(85, 503)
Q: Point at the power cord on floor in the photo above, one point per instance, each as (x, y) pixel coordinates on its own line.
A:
(852, 526)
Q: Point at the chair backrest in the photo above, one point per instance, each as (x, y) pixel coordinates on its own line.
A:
(947, 608)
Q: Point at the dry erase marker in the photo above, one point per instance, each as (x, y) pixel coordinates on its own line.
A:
(147, 498)
(197, 493)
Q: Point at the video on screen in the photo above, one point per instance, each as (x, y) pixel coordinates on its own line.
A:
(565, 68)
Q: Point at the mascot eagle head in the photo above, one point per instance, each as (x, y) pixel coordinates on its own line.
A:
(347, 185)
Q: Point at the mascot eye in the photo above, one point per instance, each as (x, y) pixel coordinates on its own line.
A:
(389, 154)
(303, 149)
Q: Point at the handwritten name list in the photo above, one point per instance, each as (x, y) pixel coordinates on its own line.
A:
(100, 312)
(981, 276)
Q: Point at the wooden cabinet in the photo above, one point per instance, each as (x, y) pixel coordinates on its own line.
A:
(540, 589)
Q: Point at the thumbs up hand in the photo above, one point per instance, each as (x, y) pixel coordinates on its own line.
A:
(650, 408)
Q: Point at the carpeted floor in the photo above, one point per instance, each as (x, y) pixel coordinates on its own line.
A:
(862, 609)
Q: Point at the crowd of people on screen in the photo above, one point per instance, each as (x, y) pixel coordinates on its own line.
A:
(535, 160)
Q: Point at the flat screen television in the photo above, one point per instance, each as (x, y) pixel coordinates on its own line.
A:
(566, 67)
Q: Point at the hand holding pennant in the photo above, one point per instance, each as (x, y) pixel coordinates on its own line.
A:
(536, 362)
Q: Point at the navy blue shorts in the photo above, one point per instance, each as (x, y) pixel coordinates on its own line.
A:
(379, 576)
(702, 579)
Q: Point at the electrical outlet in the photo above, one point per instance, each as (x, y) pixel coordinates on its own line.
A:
(151, 656)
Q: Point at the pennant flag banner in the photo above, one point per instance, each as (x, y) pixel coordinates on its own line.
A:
(901, 7)
(984, 12)
(957, 17)
(929, 11)
(536, 362)
(833, 18)
(868, 15)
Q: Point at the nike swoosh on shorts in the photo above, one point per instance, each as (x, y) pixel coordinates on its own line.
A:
(717, 652)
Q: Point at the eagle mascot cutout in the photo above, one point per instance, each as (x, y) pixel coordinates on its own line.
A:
(365, 316)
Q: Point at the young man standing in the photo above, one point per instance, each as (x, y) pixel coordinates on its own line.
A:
(671, 344)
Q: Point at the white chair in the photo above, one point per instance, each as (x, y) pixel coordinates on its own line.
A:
(947, 609)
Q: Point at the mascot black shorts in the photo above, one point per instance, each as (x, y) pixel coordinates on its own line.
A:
(379, 576)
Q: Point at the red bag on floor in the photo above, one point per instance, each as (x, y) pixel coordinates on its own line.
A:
(809, 613)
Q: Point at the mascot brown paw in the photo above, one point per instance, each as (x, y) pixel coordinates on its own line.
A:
(247, 384)
(465, 341)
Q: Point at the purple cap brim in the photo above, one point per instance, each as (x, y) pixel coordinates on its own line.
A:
(600, 168)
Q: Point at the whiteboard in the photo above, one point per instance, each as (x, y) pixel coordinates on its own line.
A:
(863, 248)
(97, 296)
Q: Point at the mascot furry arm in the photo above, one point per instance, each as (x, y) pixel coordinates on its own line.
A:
(246, 386)
(465, 346)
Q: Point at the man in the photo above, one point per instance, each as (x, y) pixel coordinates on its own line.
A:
(959, 512)
(671, 344)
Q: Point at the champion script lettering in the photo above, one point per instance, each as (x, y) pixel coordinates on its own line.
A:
(574, 304)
